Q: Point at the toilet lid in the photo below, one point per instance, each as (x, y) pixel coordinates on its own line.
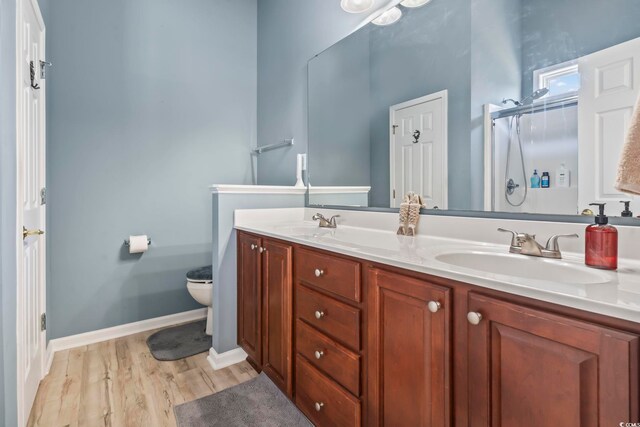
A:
(201, 275)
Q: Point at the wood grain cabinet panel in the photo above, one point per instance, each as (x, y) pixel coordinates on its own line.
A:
(277, 306)
(408, 351)
(531, 368)
(250, 297)
(323, 401)
(265, 304)
(333, 274)
(336, 319)
(331, 358)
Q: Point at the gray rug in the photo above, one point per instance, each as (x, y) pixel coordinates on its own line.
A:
(257, 402)
(180, 341)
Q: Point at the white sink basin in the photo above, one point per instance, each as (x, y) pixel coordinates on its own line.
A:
(526, 267)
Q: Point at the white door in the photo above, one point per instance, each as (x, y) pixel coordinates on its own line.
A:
(418, 150)
(30, 204)
(610, 84)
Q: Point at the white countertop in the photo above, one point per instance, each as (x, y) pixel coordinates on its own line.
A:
(611, 293)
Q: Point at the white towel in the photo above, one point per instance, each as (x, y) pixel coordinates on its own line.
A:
(628, 180)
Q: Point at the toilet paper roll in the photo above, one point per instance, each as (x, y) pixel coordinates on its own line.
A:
(138, 244)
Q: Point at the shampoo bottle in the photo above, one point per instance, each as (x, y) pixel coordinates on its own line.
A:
(545, 181)
(563, 176)
(601, 242)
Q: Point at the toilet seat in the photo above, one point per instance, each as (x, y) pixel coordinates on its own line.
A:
(203, 282)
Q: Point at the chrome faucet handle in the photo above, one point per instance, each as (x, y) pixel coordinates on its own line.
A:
(332, 221)
(552, 249)
(514, 236)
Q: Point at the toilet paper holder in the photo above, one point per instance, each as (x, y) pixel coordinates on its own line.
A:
(127, 243)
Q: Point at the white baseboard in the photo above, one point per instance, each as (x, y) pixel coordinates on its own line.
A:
(100, 335)
(48, 360)
(228, 358)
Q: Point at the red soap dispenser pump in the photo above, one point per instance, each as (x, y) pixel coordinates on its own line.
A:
(601, 242)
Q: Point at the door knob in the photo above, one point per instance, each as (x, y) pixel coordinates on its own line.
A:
(26, 233)
(474, 318)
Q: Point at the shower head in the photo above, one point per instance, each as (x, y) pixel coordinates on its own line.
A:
(529, 99)
(535, 95)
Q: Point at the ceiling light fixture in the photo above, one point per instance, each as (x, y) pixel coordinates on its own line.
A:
(356, 6)
(414, 3)
(389, 17)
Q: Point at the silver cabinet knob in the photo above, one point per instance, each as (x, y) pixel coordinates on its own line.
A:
(319, 354)
(254, 247)
(434, 306)
(319, 273)
(319, 406)
(474, 318)
(263, 250)
(319, 314)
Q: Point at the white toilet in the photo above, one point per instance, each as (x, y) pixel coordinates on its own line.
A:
(200, 286)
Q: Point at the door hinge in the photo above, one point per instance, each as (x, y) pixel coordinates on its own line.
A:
(394, 129)
(43, 196)
(43, 322)
(43, 68)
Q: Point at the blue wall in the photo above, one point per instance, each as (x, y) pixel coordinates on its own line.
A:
(149, 103)
(8, 225)
(552, 34)
(339, 100)
(290, 33)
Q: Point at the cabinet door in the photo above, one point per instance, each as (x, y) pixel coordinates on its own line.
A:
(250, 297)
(277, 314)
(532, 368)
(408, 351)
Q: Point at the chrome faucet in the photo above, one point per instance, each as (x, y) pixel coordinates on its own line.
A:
(324, 222)
(526, 244)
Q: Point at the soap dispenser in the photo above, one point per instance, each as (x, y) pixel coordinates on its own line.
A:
(626, 213)
(601, 242)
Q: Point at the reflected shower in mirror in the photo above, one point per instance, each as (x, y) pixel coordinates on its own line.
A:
(490, 105)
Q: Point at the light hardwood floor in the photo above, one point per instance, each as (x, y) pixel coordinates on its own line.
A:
(119, 383)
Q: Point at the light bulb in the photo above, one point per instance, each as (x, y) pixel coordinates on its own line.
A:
(389, 17)
(414, 3)
(356, 6)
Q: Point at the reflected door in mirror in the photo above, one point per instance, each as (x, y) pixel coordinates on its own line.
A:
(418, 150)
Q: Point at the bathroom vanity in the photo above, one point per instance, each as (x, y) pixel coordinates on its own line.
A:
(356, 341)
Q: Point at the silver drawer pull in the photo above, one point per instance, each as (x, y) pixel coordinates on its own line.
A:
(319, 273)
(263, 250)
(319, 406)
(254, 247)
(319, 314)
(474, 318)
(319, 354)
(434, 306)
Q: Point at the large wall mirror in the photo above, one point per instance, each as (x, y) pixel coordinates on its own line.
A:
(516, 106)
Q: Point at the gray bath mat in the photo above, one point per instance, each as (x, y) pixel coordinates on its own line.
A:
(180, 341)
(257, 402)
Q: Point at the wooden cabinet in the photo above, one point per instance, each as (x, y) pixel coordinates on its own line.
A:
(264, 306)
(531, 368)
(328, 338)
(250, 297)
(377, 345)
(408, 351)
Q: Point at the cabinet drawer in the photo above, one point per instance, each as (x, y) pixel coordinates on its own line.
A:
(322, 400)
(336, 275)
(338, 320)
(329, 357)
